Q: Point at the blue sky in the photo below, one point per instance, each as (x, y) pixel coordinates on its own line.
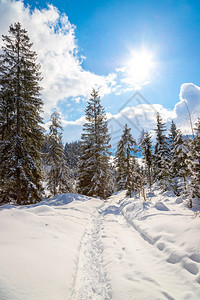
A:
(106, 34)
(106, 30)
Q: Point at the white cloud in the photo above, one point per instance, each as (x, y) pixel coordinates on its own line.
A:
(79, 121)
(53, 37)
(77, 99)
(143, 116)
(129, 81)
(189, 104)
(137, 70)
(73, 129)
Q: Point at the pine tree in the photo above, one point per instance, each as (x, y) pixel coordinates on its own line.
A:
(94, 169)
(171, 138)
(20, 131)
(124, 157)
(137, 179)
(161, 156)
(172, 133)
(178, 163)
(173, 171)
(194, 162)
(112, 178)
(73, 153)
(146, 145)
(57, 177)
(121, 165)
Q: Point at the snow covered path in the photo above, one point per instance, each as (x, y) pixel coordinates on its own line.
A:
(80, 248)
(91, 280)
(136, 269)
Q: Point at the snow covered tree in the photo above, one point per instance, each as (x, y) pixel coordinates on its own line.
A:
(137, 179)
(21, 134)
(73, 153)
(112, 177)
(161, 155)
(171, 137)
(146, 146)
(57, 177)
(194, 162)
(94, 169)
(178, 163)
(124, 157)
(172, 133)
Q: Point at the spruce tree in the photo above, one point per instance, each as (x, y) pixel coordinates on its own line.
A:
(20, 131)
(137, 179)
(161, 155)
(172, 133)
(173, 171)
(94, 169)
(146, 146)
(57, 176)
(72, 153)
(124, 157)
(178, 163)
(194, 162)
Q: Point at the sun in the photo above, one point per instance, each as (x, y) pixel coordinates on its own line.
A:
(139, 67)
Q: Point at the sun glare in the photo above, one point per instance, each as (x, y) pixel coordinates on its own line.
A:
(140, 66)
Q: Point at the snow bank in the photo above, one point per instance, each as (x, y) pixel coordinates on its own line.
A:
(39, 246)
(166, 223)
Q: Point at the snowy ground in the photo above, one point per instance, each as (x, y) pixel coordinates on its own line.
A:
(75, 247)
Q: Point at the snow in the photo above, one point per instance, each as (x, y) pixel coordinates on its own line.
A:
(39, 246)
(77, 247)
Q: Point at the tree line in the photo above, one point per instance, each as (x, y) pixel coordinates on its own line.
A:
(173, 162)
(32, 161)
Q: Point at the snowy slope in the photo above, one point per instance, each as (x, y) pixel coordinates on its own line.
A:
(39, 247)
(76, 247)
